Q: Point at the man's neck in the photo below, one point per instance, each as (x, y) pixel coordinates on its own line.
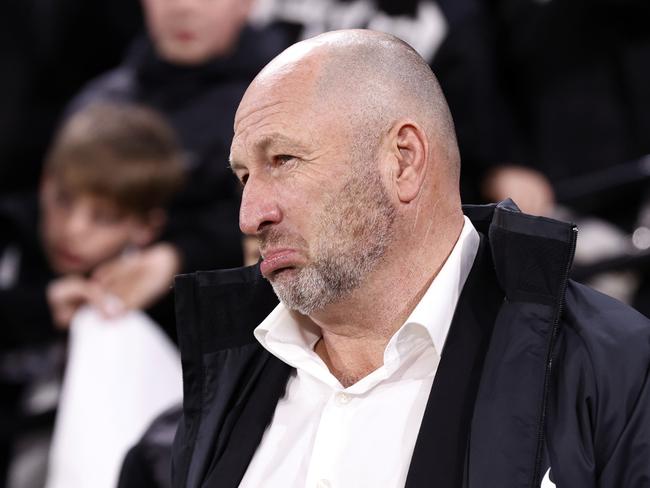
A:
(356, 330)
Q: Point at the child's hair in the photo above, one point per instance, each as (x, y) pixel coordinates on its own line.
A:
(126, 153)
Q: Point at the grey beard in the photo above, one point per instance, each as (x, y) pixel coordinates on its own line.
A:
(327, 280)
(358, 230)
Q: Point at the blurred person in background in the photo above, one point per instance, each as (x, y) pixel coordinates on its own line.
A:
(109, 176)
(193, 66)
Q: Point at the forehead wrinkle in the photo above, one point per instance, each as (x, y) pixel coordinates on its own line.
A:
(269, 140)
(262, 110)
(274, 139)
(265, 122)
(271, 123)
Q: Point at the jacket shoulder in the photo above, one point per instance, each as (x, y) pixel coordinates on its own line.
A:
(611, 337)
(600, 415)
(606, 326)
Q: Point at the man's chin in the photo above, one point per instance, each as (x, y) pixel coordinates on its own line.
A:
(287, 289)
(299, 293)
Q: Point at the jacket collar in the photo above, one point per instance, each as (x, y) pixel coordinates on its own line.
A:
(532, 255)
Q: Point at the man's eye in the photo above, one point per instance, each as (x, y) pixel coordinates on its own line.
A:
(281, 159)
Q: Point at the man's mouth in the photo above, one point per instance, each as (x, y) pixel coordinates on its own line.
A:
(277, 260)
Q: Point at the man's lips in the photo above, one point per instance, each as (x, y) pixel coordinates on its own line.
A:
(277, 259)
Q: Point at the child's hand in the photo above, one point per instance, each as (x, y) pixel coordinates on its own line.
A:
(139, 279)
(65, 296)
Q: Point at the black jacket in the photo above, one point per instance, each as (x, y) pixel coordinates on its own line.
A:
(537, 372)
(200, 103)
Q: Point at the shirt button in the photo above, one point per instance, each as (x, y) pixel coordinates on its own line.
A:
(343, 398)
(323, 484)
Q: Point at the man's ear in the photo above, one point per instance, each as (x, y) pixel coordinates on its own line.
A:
(410, 148)
(148, 227)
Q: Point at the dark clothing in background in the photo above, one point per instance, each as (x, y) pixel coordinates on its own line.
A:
(200, 103)
(577, 75)
(25, 314)
(467, 68)
(557, 375)
(26, 328)
(148, 463)
(48, 50)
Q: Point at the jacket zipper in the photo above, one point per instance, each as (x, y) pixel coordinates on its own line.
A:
(541, 432)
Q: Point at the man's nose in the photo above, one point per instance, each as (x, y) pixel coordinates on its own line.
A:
(259, 208)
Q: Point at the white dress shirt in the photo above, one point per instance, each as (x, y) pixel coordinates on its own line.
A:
(326, 436)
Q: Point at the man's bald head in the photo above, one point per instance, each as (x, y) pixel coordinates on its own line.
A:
(372, 79)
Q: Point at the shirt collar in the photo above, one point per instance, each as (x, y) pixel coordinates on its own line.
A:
(291, 337)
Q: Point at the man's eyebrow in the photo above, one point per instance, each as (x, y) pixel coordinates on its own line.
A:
(274, 139)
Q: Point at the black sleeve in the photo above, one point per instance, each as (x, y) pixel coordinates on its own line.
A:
(148, 463)
(135, 471)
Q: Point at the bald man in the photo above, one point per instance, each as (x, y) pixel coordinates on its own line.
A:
(416, 342)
